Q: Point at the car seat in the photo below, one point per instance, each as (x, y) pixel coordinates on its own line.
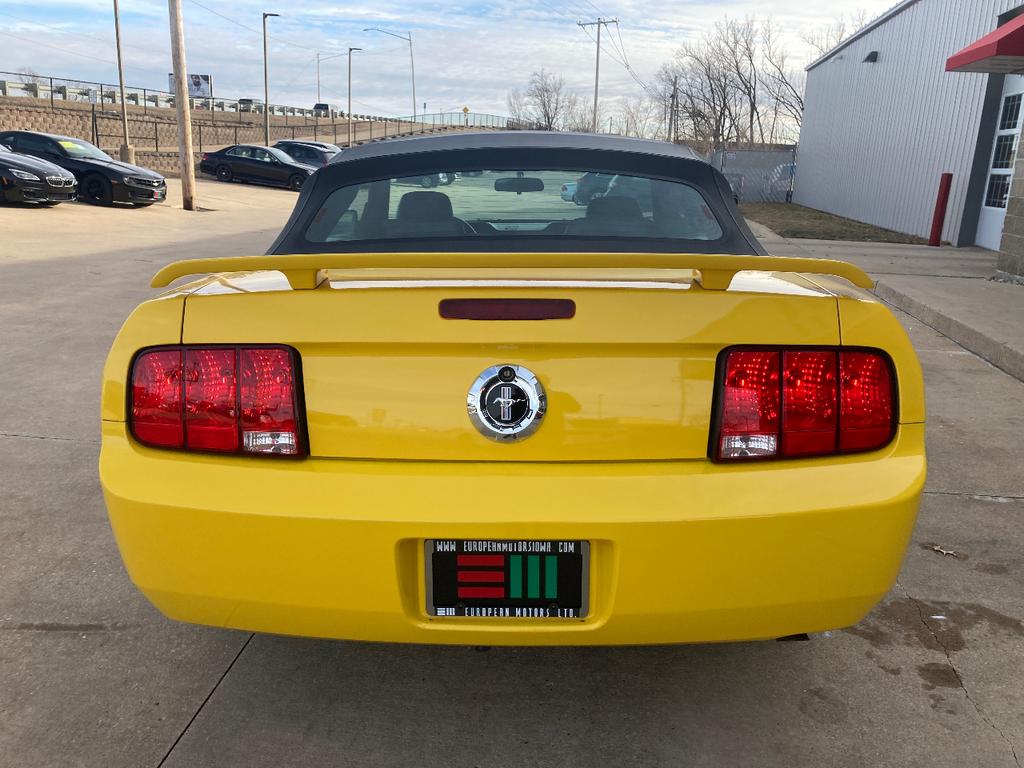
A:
(611, 216)
(427, 214)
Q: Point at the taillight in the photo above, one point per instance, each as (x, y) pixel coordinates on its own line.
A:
(750, 405)
(226, 399)
(866, 395)
(205, 156)
(788, 403)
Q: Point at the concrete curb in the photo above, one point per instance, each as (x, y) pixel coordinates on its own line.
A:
(1001, 355)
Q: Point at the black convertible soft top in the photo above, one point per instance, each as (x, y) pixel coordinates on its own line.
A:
(518, 150)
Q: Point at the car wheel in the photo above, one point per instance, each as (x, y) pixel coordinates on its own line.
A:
(96, 190)
(296, 182)
(224, 173)
(428, 181)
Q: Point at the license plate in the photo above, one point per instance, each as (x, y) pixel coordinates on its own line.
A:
(501, 578)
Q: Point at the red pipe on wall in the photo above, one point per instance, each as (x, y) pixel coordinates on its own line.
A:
(941, 204)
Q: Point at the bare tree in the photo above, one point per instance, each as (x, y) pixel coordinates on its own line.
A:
(823, 39)
(29, 75)
(783, 83)
(641, 117)
(546, 101)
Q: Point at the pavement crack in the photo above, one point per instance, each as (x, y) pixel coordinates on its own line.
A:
(207, 699)
(26, 436)
(987, 496)
(921, 613)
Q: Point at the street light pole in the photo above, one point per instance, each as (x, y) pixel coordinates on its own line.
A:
(350, 93)
(412, 63)
(320, 58)
(127, 152)
(266, 83)
(412, 68)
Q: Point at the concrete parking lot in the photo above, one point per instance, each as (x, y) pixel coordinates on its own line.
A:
(91, 675)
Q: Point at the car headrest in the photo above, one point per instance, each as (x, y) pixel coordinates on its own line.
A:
(614, 207)
(424, 206)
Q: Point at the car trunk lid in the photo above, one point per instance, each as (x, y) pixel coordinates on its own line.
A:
(629, 376)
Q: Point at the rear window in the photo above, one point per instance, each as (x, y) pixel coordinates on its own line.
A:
(556, 204)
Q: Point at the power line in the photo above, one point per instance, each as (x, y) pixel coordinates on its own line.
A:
(625, 65)
(76, 33)
(255, 31)
(56, 47)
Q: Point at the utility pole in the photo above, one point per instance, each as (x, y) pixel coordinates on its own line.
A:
(187, 167)
(597, 66)
(350, 93)
(127, 152)
(412, 63)
(266, 84)
(673, 117)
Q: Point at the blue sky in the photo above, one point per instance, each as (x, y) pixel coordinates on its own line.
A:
(467, 53)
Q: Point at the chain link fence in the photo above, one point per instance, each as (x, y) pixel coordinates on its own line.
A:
(758, 175)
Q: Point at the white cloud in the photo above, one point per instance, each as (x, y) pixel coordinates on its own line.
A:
(467, 53)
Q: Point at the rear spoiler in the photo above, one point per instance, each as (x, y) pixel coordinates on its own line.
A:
(711, 272)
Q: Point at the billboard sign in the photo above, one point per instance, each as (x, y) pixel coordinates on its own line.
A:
(199, 86)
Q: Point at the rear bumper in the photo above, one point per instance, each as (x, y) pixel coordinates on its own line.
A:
(680, 551)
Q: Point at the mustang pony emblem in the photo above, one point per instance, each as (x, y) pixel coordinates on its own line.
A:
(506, 402)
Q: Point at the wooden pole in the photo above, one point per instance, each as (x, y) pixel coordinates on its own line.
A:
(188, 171)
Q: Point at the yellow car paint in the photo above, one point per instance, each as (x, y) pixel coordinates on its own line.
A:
(682, 549)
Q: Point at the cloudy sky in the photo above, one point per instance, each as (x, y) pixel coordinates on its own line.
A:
(467, 53)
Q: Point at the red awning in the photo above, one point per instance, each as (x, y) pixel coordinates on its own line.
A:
(1000, 51)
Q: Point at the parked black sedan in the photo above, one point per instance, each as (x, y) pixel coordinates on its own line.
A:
(309, 152)
(262, 165)
(27, 179)
(102, 180)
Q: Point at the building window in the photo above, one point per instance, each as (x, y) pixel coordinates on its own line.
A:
(998, 190)
(1011, 113)
(1006, 150)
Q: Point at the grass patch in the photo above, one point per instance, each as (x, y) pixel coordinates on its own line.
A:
(790, 220)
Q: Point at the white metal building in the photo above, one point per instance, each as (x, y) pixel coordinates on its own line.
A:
(884, 119)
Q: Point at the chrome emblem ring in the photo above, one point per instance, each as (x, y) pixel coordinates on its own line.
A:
(506, 403)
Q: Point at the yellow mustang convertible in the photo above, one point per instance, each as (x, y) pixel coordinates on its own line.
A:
(514, 388)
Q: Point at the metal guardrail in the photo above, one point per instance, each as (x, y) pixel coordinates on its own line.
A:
(56, 89)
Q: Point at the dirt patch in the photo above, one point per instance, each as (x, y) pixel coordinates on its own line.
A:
(788, 220)
(937, 675)
(938, 626)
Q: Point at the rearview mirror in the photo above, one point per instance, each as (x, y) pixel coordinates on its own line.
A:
(519, 184)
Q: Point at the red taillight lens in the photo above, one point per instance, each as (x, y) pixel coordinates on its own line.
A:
(157, 417)
(223, 399)
(211, 407)
(205, 156)
(269, 423)
(799, 402)
(866, 401)
(750, 405)
(809, 413)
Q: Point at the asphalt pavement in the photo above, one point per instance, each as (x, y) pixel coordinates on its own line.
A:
(91, 675)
